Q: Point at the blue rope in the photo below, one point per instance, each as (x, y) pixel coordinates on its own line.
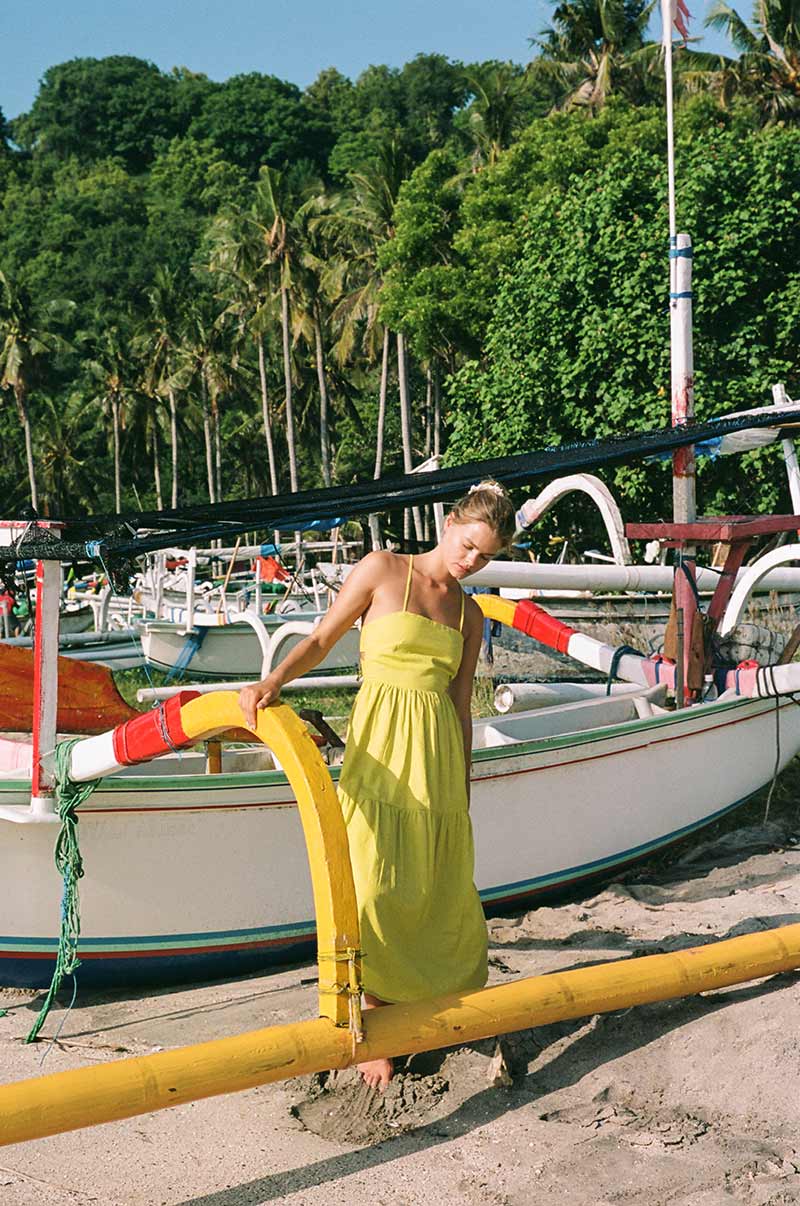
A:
(190, 647)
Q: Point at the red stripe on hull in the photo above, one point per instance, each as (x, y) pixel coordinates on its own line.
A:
(165, 952)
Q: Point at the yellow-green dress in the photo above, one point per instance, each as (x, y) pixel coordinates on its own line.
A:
(403, 795)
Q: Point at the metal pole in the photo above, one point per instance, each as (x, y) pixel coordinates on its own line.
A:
(684, 505)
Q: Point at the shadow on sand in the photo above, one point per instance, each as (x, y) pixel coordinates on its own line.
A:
(612, 1038)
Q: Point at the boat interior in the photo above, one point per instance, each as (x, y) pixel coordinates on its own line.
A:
(563, 719)
(490, 733)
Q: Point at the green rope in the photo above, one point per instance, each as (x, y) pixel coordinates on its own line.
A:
(69, 797)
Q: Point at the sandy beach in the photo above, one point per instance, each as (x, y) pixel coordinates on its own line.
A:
(690, 1101)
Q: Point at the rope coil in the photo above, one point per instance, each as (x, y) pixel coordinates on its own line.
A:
(69, 863)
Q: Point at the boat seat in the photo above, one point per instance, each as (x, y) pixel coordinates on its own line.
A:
(496, 736)
(563, 719)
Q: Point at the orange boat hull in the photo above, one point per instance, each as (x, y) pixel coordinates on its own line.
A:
(88, 700)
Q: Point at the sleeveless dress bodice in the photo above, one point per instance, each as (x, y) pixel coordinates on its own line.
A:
(403, 794)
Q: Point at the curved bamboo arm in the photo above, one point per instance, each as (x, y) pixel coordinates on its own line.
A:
(339, 956)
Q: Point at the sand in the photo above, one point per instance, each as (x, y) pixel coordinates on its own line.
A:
(692, 1101)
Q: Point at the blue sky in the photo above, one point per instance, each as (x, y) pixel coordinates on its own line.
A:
(294, 39)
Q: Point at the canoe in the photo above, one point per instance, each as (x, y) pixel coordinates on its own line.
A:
(191, 875)
(231, 650)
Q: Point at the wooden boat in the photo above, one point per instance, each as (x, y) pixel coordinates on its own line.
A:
(221, 649)
(191, 874)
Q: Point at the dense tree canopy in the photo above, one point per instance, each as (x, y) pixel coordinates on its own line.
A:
(578, 341)
(96, 108)
(220, 288)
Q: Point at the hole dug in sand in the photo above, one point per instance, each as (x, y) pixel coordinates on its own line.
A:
(341, 1107)
(427, 1087)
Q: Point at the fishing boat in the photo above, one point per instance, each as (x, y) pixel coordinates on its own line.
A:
(235, 645)
(195, 864)
(191, 874)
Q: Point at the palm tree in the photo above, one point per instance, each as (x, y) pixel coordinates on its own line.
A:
(768, 68)
(364, 221)
(157, 339)
(67, 426)
(236, 261)
(202, 358)
(25, 345)
(114, 374)
(143, 426)
(256, 255)
(278, 217)
(497, 109)
(319, 267)
(595, 47)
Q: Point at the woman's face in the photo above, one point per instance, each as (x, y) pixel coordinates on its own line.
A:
(467, 547)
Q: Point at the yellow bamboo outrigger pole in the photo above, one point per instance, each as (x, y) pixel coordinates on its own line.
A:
(48, 1105)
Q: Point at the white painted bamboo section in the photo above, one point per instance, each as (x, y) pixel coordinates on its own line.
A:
(749, 579)
(780, 399)
(45, 682)
(682, 375)
(586, 483)
(526, 575)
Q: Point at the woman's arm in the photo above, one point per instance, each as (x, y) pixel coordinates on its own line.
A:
(351, 602)
(460, 689)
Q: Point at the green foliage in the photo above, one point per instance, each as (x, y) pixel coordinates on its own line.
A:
(458, 234)
(188, 184)
(578, 342)
(95, 108)
(258, 120)
(416, 105)
(75, 231)
(426, 292)
(188, 224)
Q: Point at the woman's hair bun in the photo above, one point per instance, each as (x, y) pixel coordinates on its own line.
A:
(488, 502)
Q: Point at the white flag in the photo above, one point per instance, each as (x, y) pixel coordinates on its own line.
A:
(674, 13)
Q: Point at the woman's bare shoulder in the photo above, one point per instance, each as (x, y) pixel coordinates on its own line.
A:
(382, 562)
(377, 567)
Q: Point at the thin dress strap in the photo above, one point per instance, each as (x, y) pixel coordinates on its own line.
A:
(408, 581)
(461, 621)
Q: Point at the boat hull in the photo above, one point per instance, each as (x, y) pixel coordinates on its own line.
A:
(192, 876)
(232, 650)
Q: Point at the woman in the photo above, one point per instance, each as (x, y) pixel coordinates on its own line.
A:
(404, 785)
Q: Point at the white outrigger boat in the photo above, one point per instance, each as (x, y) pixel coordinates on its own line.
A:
(190, 874)
(195, 865)
(224, 631)
(226, 647)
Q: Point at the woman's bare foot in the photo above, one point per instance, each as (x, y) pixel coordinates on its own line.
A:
(376, 1072)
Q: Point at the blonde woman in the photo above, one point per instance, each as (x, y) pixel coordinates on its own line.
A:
(404, 784)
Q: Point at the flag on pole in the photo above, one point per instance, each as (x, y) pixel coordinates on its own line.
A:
(674, 13)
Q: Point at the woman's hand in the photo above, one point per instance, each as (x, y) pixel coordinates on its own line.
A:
(257, 696)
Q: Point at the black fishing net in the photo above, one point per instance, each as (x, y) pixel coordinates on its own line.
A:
(113, 540)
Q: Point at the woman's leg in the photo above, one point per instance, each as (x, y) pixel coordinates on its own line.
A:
(376, 1072)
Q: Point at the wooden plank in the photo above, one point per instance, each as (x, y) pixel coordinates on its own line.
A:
(727, 528)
